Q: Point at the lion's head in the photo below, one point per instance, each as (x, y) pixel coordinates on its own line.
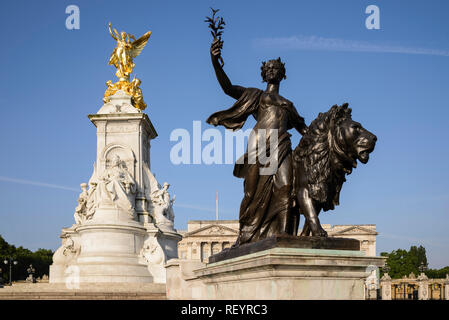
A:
(330, 150)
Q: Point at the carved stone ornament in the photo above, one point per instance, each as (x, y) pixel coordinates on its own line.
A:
(152, 252)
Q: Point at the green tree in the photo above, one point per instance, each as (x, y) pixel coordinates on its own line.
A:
(438, 273)
(402, 263)
(41, 260)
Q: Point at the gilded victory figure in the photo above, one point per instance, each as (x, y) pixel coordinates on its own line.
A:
(122, 59)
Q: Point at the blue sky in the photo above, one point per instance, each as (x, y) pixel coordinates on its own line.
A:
(395, 79)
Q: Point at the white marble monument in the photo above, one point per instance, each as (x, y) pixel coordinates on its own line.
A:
(123, 229)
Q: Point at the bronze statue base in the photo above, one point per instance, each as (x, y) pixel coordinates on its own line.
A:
(287, 241)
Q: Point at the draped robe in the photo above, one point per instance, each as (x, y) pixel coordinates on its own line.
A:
(265, 208)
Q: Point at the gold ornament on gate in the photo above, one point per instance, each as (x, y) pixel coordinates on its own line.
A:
(122, 59)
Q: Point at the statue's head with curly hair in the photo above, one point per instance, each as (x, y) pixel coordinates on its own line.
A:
(273, 71)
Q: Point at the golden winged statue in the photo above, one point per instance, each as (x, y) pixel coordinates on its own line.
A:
(122, 59)
(126, 50)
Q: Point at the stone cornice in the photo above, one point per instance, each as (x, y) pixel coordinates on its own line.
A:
(126, 116)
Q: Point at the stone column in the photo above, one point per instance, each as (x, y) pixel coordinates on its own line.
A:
(423, 289)
(197, 253)
(209, 244)
(446, 287)
(385, 284)
(202, 246)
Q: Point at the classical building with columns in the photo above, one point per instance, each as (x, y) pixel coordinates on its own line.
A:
(365, 233)
(206, 237)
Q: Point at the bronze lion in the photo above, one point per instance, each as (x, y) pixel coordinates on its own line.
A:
(324, 156)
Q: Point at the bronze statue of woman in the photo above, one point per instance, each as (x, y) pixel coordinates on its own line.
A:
(266, 208)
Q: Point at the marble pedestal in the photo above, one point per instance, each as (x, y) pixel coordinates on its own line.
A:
(111, 253)
(385, 285)
(423, 287)
(276, 273)
(116, 252)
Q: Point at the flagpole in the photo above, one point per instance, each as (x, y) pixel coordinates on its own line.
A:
(216, 206)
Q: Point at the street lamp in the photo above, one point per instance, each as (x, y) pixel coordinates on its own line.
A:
(11, 261)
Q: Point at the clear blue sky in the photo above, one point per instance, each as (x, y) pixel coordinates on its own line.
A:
(395, 79)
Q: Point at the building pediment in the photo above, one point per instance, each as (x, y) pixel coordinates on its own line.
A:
(356, 230)
(212, 230)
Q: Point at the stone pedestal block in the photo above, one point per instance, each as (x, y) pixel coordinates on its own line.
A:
(277, 273)
(423, 287)
(385, 286)
(287, 241)
(158, 248)
(446, 287)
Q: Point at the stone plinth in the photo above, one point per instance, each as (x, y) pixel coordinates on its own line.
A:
(423, 287)
(277, 273)
(385, 285)
(287, 241)
(109, 253)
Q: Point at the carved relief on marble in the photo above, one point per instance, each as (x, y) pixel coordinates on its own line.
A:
(117, 186)
(122, 127)
(69, 250)
(87, 202)
(126, 155)
(160, 205)
(152, 252)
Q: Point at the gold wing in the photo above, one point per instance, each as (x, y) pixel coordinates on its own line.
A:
(139, 44)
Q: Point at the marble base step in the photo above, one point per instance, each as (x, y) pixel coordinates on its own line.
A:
(81, 296)
(92, 291)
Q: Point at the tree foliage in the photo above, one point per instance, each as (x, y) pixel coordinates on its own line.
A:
(438, 273)
(40, 259)
(403, 262)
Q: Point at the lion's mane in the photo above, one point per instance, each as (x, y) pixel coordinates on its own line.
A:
(322, 153)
